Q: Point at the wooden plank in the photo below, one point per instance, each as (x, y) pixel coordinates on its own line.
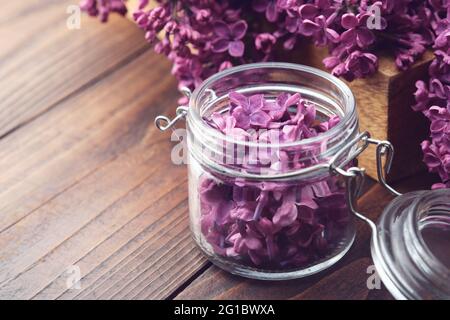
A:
(333, 287)
(91, 184)
(348, 274)
(42, 61)
(49, 155)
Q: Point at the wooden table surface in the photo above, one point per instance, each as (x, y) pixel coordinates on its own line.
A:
(86, 181)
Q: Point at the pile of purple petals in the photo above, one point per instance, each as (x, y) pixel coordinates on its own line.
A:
(272, 225)
(286, 118)
(433, 99)
(271, 121)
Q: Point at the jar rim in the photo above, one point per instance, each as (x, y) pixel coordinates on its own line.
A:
(405, 262)
(421, 207)
(350, 102)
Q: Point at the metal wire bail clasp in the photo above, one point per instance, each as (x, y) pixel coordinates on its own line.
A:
(355, 176)
(163, 123)
(384, 149)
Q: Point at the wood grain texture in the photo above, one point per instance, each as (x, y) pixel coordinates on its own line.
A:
(407, 129)
(42, 61)
(333, 288)
(87, 182)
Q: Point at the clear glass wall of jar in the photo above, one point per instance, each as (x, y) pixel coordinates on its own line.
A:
(234, 207)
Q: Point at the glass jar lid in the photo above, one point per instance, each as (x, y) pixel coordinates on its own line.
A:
(411, 245)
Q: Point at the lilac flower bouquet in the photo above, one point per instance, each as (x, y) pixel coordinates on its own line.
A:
(202, 37)
(433, 99)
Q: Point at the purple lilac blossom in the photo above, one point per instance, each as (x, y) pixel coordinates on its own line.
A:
(203, 37)
(229, 38)
(272, 225)
(433, 99)
(103, 8)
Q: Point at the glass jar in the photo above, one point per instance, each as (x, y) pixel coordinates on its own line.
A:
(411, 245)
(290, 213)
(283, 220)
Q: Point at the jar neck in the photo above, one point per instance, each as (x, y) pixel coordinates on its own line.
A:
(225, 153)
(413, 262)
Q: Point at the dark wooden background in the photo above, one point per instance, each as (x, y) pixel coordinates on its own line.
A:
(86, 179)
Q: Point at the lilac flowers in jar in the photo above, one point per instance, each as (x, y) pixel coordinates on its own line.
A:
(263, 201)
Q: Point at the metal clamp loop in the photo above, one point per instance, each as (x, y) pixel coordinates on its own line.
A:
(163, 123)
(354, 188)
(384, 149)
(355, 176)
